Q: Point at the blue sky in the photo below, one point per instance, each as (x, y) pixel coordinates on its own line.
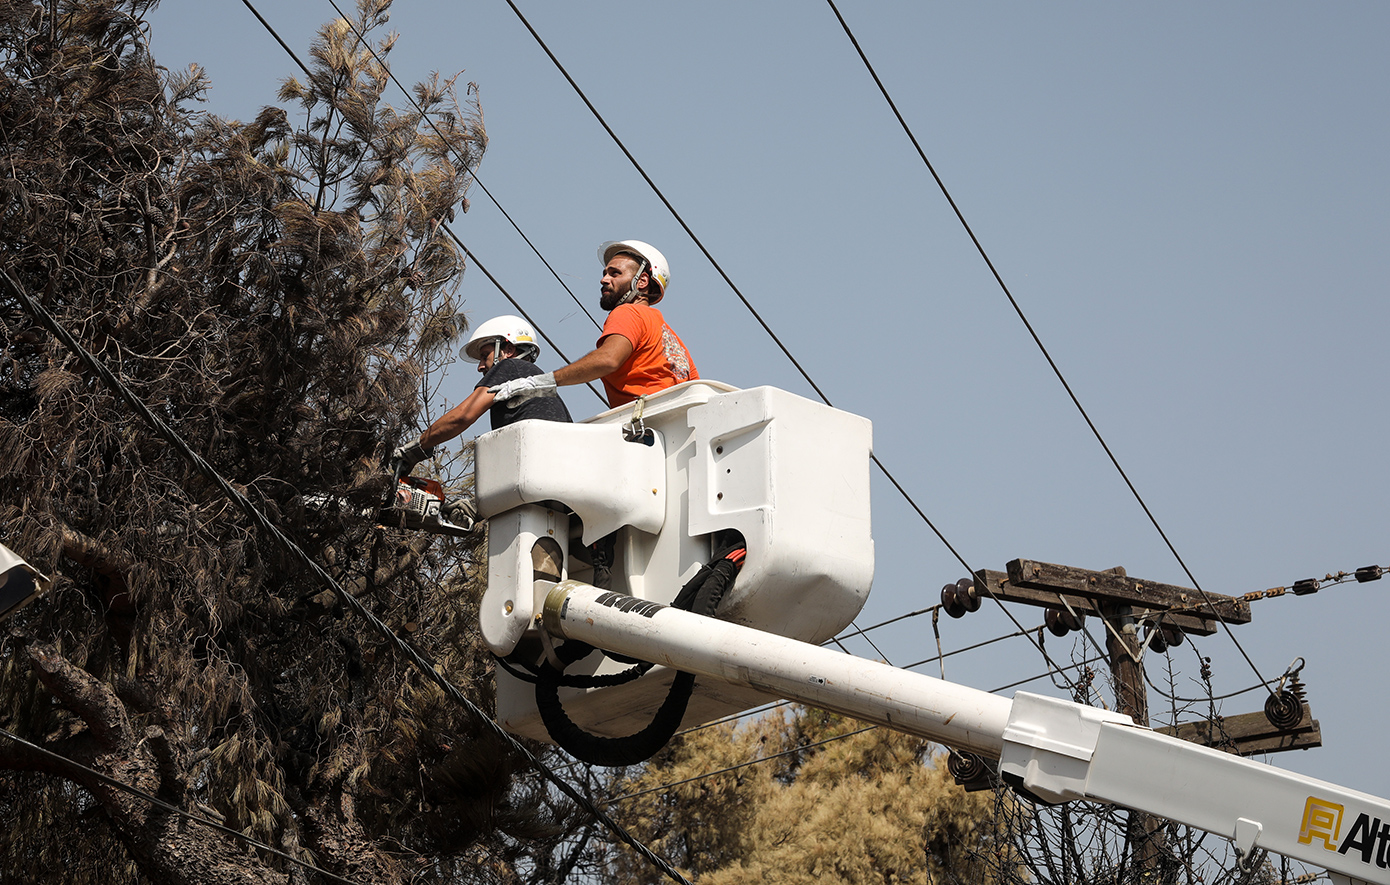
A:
(1189, 202)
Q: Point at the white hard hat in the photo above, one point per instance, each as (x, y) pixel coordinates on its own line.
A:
(508, 328)
(656, 262)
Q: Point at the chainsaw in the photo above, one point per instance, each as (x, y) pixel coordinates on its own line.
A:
(418, 505)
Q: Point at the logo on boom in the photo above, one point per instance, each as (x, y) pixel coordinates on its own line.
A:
(1321, 820)
(1368, 837)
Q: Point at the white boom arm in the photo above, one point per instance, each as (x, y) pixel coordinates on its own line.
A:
(1054, 749)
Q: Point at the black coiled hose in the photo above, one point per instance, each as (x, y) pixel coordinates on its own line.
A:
(701, 595)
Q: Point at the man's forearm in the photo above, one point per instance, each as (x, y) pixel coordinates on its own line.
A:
(582, 370)
(458, 419)
(595, 364)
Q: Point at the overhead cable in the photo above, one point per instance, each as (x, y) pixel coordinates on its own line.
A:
(661, 196)
(720, 269)
(912, 614)
(172, 809)
(759, 760)
(1038, 341)
(521, 310)
(442, 223)
(981, 644)
(874, 457)
(362, 38)
(1309, 586)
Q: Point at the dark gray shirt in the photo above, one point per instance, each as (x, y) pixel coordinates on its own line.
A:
(543, 408)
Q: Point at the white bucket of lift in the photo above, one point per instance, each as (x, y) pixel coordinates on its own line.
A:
(789, 475)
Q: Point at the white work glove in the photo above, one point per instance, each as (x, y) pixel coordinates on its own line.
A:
(522, 389)
(404, 458)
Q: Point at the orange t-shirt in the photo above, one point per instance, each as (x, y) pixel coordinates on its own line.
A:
(659, 359)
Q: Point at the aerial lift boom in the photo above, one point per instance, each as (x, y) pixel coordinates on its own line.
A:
(1053, 750)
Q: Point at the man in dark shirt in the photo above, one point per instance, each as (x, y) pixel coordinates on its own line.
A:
(505, 349)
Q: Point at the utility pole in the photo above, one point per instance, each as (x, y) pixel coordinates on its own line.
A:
(1143, 832)
(1125, 606)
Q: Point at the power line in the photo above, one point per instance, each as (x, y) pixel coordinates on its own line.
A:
(297, 554)
(443, 224)
(912, 614)
(981, 644)
(1038, 341)
(1021, 630)
(362, 38)
(172, 809)
(1205, 665)
(1216, 697)
(661, 196)
(478, 264)
(865, 634)
(1308, 586)
(746, 303)
(835, 640)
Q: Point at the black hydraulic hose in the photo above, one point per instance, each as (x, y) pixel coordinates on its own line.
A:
(598, 750)
(701, 595)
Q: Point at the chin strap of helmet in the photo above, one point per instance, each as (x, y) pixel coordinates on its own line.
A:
(632, 292)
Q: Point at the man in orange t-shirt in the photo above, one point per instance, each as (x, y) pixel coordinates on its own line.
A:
(637, 353)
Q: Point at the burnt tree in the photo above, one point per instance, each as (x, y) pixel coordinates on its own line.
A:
(278, 292)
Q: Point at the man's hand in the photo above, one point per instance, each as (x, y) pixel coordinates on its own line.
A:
(521, 389)
(404, 458)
